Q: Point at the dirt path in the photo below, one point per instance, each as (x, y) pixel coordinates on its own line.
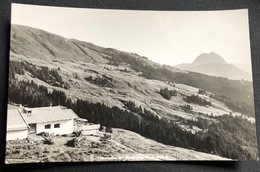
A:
(157, 151)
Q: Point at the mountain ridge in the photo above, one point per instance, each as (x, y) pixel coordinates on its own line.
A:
(214, 65)
(63, 48)
(27, 43)
(208, 58)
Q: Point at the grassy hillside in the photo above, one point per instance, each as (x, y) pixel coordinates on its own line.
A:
(136, 148)
(129, 91)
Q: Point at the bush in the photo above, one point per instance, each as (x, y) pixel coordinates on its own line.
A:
(203, 92)
(167, 94)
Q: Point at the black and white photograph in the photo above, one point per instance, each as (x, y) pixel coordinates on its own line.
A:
(91, 84)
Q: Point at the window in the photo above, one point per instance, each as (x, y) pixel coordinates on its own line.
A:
(56, 125)
(47, 126)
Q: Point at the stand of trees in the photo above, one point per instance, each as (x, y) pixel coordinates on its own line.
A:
(51, 77)
(186, 107)
(167, 94)
(100, 81)
(30, 94)
(203, 92)
(200, 123)
(197, 100)
(244, 107)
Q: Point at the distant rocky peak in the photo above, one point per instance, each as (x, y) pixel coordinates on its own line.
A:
(208, 58)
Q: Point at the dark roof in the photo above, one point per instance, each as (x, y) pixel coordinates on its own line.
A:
(48, 114)
(15, 121)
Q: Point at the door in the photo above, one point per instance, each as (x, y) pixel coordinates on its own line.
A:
(32, 128)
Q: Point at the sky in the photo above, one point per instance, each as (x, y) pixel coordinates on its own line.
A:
(166, 37)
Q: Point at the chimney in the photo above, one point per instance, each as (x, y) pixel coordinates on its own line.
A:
(27, 110)
(50, 106)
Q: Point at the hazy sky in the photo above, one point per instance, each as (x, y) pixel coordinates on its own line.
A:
(165, 37)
